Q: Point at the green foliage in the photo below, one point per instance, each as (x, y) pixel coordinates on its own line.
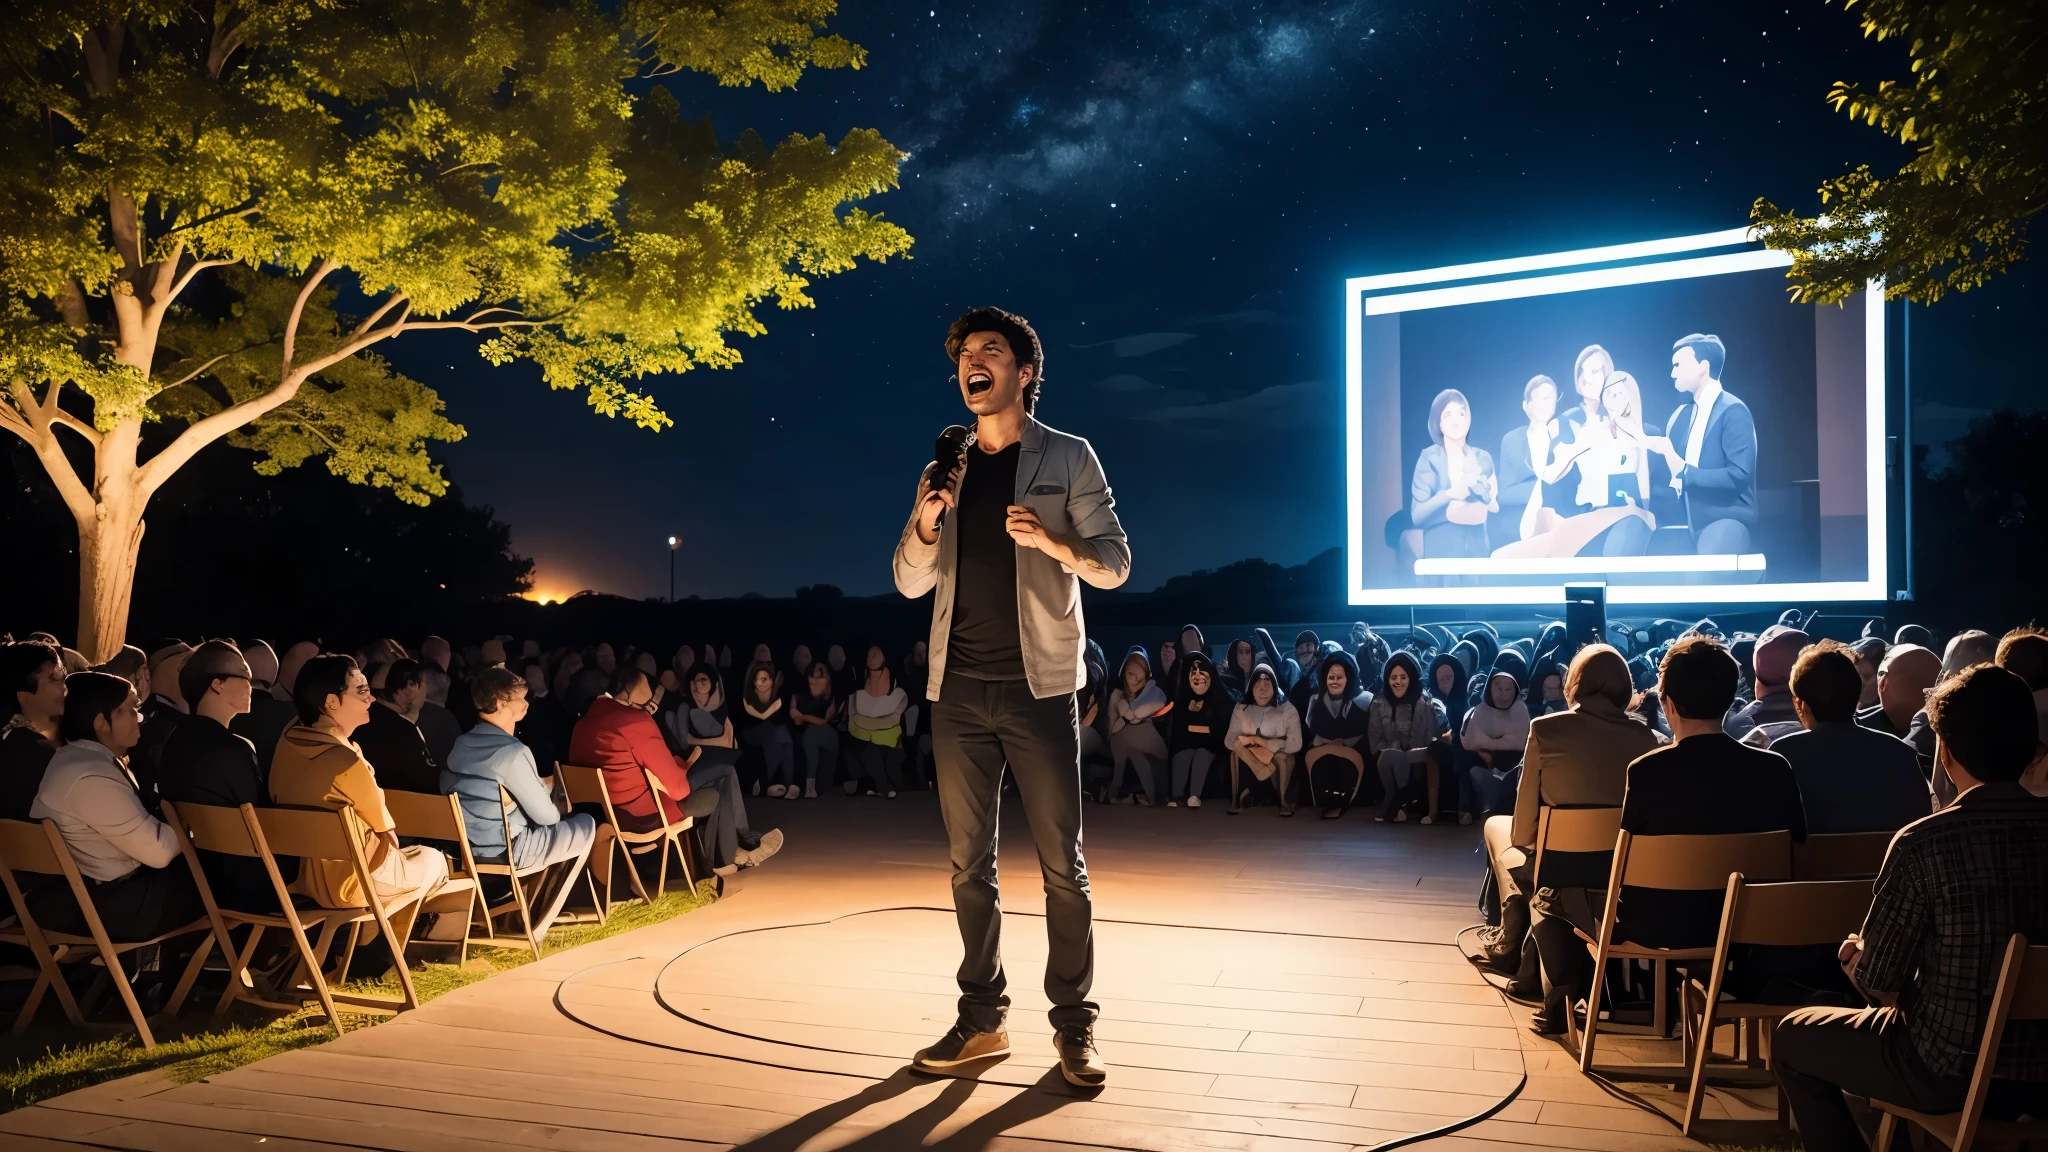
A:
(192, 191)
(1975, 111)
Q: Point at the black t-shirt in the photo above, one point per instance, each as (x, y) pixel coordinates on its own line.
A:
(24, 754)
(985, 643)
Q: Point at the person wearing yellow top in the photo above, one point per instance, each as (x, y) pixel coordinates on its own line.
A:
(316, 766)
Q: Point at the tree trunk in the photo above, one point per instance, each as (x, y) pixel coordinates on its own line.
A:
(109, 542)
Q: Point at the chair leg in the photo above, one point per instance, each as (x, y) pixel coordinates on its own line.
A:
(683, 857)
(1592, 1014)
(1660, 1000)
(1695, 1093)
(240, 974)
(119, 976)
(191, 974)
(661, 870)
(1887, 1126)
(633, 874)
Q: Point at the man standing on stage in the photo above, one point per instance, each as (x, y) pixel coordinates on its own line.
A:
(1002, 539)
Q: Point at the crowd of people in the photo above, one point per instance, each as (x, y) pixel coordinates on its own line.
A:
(1685, 728)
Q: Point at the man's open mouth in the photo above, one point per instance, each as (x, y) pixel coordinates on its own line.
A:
(979, 382)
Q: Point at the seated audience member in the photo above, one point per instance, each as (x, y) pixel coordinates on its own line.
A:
(1496, 733)
(204, 762)
(703, 727)
(1851, 778)
(438, 725)
(128, 857)
(1307, 658)
(488, 757)
(619, 736)
(1573, 759)
(316, 766)
(874, 725)
(162, 710)
(1447, 680)
(34, 676)
(1772, 713)
(1904, 677)
(268, 716)
(1869, 653)
(1401, 724)
(1333, 729)
(2024, 653)
(1134, 739)
(1264, 739)
(1237, 668)
(130, 664)
(390, 740)
(1954, 889)
(545, 731)
(1965, 650)
(288, 666)
(815, 712)
(1546, 691)
(1196, 727)
(1703, 783)
(763, 725)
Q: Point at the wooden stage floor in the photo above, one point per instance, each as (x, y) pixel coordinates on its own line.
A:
(1266, 985)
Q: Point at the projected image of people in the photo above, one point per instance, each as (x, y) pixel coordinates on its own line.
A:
(1609, 433)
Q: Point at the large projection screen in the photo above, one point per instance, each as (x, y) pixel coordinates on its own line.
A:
(1516, 425)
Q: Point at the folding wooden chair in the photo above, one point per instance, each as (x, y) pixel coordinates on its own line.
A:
(1773, 915)
(1577, 831)
(586, 786)
(39, 848)
(312, 835)
(426, 816)
(2021, 994)
(515, 877)
(1669, 863)
(1840, 855)
(669, 835)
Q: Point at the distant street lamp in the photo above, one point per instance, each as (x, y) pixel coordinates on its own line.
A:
(674, 542)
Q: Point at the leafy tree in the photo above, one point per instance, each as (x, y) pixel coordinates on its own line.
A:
(1975, 112)
(215, 213)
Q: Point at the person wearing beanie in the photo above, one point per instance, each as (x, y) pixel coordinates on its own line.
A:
(205, 762)
(1772, 714)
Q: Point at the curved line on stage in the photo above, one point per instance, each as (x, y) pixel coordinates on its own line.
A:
(1521, 1081)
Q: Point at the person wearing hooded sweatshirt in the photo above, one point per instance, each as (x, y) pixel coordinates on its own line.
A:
(1495, 732)
(1401, 724)
(1448, 682)
(1334, 725)
(1133, 736)
(1265, 651)
(1191, 642)
(1238, 663)
(1264, 737)
(1091, 714)
(1197, 725)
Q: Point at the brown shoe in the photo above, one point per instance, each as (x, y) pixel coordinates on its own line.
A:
(962, 1045)
(1080, 1063)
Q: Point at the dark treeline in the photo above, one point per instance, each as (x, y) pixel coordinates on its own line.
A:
(307, 555)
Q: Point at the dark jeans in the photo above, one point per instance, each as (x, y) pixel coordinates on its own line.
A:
(725, 832)
(1820, 1053)
(978, 725)
(142, 905)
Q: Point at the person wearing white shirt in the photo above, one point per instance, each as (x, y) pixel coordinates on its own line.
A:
(1134, 740)
(128, 857)
(1264, 738)
(1711, 449)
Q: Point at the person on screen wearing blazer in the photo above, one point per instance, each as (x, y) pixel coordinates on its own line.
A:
(1454, 487)
(1711, 449)
(1523, 452)
(1564, 489)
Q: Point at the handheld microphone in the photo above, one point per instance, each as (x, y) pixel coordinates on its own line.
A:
(946, 454)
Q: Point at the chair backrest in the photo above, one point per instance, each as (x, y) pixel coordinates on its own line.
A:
(506, 806)
(2030, 993)
(1840, 855)
(216, 829)
(655, 786)
(27, 846)
(1701, 863)
(424, 815)
(583, 785)
(310, 833)
(1578, 833)
(1799, 912)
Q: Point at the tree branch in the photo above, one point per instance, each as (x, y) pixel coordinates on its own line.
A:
(194, 374)
(244, 211)
(65, 419)
(197, 267)
(371, 320)
(21, 418)
(291, 325)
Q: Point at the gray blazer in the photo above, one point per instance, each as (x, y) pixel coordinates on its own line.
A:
(1059, 478)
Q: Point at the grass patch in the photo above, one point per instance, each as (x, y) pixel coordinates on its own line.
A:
(52, 1060)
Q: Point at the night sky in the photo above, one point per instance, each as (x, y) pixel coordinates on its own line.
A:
(1173, 194)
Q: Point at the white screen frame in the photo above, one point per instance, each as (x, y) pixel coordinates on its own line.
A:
(1636, 263)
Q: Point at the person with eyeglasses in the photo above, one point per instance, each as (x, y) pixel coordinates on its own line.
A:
(206, 763)
(316, 766)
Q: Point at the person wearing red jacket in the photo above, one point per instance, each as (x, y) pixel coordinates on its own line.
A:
(619, 736)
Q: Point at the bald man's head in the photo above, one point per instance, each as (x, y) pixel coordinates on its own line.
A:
(294, 658)
(1905, 676)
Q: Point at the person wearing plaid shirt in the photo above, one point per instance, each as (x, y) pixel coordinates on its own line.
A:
(1954, 888)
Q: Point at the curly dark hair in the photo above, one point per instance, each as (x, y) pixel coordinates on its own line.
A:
(1023, 340)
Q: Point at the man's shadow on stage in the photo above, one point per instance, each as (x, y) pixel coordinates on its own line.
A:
(1048, 1095)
